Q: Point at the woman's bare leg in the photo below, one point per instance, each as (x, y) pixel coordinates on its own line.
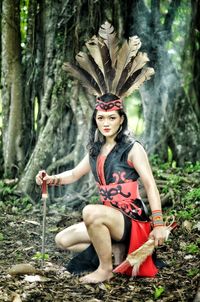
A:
(102, 223)
(119, 252)
(74, 238)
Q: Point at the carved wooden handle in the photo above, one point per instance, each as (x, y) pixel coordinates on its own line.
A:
(44, 186)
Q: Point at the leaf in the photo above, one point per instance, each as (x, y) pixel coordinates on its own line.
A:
(35, 278)
(39, 256)
(158, 292)
(16, 298)
(197, 226)
(32, 222)
(187, 225)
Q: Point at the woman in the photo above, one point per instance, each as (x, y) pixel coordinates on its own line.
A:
(116, 161)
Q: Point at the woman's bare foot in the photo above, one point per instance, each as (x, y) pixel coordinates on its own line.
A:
(119, 253)
(97, 276)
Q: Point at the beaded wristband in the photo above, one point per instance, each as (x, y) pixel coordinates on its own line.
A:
(157, 218)
(55, 181)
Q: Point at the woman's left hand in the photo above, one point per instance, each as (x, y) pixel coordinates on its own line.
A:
(158, 234)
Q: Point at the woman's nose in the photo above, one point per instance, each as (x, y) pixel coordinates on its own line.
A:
(106, 123)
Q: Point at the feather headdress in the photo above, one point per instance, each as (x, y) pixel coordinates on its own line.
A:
(108, 68)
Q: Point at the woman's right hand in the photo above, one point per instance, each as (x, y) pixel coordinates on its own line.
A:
(40, 177)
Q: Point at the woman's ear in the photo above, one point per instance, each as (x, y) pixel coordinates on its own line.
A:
(122, 119)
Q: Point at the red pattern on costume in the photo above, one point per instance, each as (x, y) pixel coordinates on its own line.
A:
(120, 176)
(139, 230)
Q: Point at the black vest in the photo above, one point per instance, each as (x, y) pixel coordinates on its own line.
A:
(116, 164)
(119, 177)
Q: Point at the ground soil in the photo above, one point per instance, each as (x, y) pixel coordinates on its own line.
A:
(21, 240)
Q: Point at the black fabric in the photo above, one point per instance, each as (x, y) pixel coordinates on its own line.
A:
(127, 231)
(159, 263)
(86, 261)
(116, 164)
(131, 211)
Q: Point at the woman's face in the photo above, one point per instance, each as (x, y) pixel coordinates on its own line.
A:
(109, 123)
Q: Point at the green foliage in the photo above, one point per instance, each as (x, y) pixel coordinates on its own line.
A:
(1, 237)
(183, 184)
(192, 248)
(158, 292)
(185, 214)
(11, 200)
(94, 199)
(23, 20)
(180, 28)
(192, 195)
(191, 167)
(40, 256)
(193, 272)
(134, 112)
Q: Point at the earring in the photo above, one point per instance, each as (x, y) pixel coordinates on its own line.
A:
(96, 135)
(120, 129)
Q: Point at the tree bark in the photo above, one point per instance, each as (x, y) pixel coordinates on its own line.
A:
(170, 120)
(58, 135)
(56, 117)
(12, 88)
(192, 65)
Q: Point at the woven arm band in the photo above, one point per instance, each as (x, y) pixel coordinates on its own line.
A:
(157, 218)
(55, 181)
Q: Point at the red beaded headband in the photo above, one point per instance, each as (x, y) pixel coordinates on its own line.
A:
(109, 106)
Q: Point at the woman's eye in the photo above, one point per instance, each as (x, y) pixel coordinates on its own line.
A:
(112, 118)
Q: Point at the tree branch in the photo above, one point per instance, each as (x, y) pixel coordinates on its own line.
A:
(170, 16)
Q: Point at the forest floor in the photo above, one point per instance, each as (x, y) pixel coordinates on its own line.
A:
(20, 242)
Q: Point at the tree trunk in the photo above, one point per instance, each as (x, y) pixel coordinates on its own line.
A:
(170, 120)
(12, 89)
(191, 65)
(55, 116)
(58, 135)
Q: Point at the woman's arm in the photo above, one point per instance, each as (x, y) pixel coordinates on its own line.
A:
(66, 177)
(139, 158)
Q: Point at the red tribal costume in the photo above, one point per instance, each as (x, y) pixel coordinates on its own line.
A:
(118, 187)
(109, 68)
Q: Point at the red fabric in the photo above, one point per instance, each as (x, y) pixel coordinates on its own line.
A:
(100, 168)
(139, 235)
(109, 106)
(139, 230)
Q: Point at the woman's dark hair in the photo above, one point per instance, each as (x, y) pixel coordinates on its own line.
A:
(95, 144)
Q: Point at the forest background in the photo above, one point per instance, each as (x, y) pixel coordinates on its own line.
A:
(45, 114)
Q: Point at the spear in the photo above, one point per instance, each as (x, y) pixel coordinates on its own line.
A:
(136, 258)
(44, 201)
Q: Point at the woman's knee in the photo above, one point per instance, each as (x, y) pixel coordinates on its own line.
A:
(60, 242)
(63, 238)
(91, 214)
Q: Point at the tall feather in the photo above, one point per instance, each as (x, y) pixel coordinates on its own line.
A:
(107, 33)
(107, 63)
(94, 50)
(88, 64)
(139, 61)
(100, 53)
(134, 83)
(84, 77)
(109, 69)
(126, 54)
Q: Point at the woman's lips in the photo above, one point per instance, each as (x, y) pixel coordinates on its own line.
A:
(106, 129)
